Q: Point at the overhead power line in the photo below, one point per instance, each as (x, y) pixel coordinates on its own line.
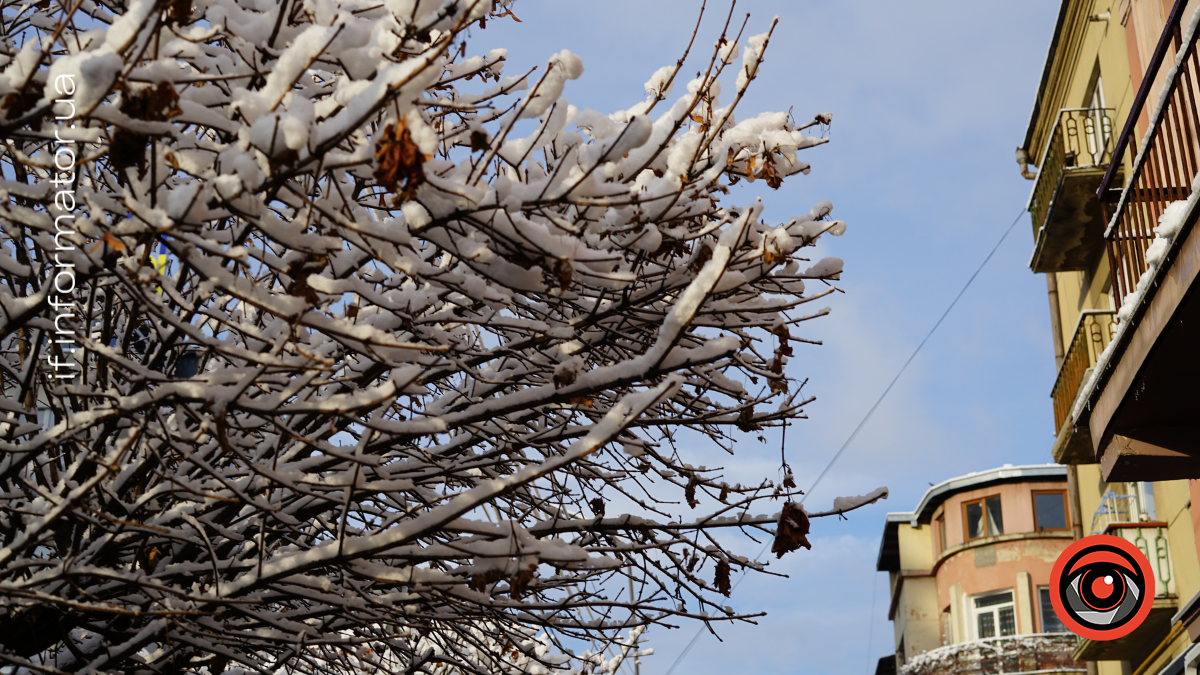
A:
(867, 418)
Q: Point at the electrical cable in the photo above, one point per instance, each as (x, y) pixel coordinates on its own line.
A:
(863, 423)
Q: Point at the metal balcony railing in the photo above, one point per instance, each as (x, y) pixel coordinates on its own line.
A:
(1092, 334)
(1123, 515)
(1164, 169)
(1035, 653)
(1082, 138)
(1117, 508)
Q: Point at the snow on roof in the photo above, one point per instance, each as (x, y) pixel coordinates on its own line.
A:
(889, 546)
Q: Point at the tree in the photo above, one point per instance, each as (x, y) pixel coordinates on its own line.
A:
(314, 361)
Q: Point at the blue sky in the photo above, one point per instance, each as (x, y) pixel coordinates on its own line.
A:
(929, 100)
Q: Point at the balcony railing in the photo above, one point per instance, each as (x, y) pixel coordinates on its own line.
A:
(1037, 653)
(1082, 138)
(1164, 168)
(1092, 334)
(1123, 515)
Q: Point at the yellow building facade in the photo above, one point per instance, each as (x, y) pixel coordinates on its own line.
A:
(1110, 78)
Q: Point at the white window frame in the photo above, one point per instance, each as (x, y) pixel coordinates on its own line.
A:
(973, 612)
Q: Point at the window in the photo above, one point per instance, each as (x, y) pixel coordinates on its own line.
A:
(1050, 510)
(983, 518)
(1050, 622)
(941, 526)
(995, 615)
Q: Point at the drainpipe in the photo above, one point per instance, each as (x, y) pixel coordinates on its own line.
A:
(1023, 160)
(1073, 495)
(1055, 320)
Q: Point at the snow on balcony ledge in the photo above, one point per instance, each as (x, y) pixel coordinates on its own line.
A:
(1037, 653)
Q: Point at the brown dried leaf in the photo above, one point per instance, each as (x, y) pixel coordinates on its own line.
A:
(520, 583)
(597, 505)
(564, 377)
(768, 174)
(18, 103)
(745, 420)
(702, 257)
(398, 161)
(479, 140)
(689, 492)
(721, 581)
(792, 531)
(178, 11)
(148, 559)
(128, 149)
(480, 582)
(158, 103)
(562, 272)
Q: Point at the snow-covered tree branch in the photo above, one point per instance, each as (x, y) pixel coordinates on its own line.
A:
(327, 346)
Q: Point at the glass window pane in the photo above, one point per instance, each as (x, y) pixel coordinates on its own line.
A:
(987, 625)
(995, 519)
(1008, 621)
(942, 531)
(974, 520)
(993, 599)
(1048, 506)
(1050, 622)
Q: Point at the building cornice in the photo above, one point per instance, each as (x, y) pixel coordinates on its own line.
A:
(998, 539)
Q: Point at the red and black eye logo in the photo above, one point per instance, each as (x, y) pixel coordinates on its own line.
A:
(1102, 587)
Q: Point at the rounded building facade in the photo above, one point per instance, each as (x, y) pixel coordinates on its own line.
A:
(970, 572)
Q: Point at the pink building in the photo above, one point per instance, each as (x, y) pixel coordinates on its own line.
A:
(970, 571)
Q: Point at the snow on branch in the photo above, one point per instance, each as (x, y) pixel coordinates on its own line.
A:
(325, 343)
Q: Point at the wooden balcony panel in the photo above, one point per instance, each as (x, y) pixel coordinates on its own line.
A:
(1151, 394)
(1141, 413)
(1092, 334)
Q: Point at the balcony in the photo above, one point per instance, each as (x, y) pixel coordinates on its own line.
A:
(1068, 225)
(1041, 653)
(1092, 334)
(1121, 515)
(1140, 407)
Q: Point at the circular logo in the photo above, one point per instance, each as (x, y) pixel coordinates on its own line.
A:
(1102, 587)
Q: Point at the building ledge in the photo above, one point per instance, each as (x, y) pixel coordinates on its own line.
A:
(998, 539)
(1072, 238)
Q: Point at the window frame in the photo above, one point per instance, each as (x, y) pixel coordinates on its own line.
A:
(1042, 612)
(1066, 511)
(941, 526)
(982, 501)
(994, 610)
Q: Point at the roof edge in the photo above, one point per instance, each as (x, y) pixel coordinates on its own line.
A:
(936, 494)
(1050, 53)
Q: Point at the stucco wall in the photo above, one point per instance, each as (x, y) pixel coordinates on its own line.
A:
(917, 616)
(998, 566)
(1016, 503)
